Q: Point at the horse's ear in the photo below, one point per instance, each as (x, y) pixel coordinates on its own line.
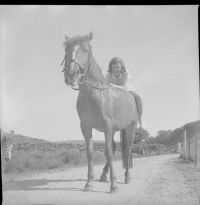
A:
(66, 38)
(90, 36)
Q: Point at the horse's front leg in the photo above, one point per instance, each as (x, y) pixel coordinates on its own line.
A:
(109, 156)
(87, 133)
(103, 177)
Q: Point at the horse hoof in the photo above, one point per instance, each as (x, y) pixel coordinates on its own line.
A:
(113, 190)
(88, 188)
(103, 179)
(127, 181)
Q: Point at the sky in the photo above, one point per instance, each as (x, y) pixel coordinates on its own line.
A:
(158, 44)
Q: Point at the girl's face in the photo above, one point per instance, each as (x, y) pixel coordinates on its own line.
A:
(116, 68)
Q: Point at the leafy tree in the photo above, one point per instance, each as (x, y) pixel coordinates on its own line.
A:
(12, 131)
(168, 137)
(141, 135)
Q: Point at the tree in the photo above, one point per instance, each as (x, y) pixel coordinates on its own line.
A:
(12, 131)
(164, 133)
(162, 137)
(141, 135)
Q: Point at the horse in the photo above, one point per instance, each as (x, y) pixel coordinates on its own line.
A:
(100, 106)
(7, 146)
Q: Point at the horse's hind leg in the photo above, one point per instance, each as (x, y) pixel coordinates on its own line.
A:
(87, 133)
(103, 177)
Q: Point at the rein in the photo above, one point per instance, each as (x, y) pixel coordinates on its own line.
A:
(84, 74)
(95, 87)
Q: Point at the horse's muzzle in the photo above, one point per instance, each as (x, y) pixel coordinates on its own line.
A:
(66, 82)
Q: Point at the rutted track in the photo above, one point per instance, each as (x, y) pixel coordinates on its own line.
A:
(155, 181)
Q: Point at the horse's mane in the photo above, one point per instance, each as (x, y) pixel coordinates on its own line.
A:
(96, 72)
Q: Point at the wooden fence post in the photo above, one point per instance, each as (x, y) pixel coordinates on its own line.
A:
(185, 142)
(179, 148)
(189, 147)
(196, 141)
(185, 145)
(197, 147)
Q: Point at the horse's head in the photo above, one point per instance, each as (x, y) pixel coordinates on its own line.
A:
(77, 53)
(7, 148)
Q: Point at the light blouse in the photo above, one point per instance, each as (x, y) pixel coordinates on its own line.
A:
(123, 80)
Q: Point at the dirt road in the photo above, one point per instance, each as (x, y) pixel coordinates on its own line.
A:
(155, 181)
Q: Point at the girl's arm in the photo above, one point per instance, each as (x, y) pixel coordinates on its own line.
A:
(124, 81)
(128, 82)
(124, 87)
(107, 78)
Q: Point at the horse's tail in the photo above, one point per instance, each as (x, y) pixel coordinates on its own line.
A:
(139, 106)
(124, 141)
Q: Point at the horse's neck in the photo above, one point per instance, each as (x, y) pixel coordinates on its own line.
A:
(94, 74)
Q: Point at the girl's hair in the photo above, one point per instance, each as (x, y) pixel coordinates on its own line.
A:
(116, 60)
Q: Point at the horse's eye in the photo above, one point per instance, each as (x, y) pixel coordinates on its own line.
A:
(78, 71)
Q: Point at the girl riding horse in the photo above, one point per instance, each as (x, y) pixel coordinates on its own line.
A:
(99, 106)
(119, 77)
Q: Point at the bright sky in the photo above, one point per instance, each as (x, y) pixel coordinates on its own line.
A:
(159, 45)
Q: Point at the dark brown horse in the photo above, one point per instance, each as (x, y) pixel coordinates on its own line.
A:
(99, 106)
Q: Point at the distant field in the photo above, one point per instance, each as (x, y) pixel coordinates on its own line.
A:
(31, 154)
(38, 160)
(23, 161)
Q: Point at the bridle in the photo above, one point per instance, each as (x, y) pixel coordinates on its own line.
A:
(82, 73)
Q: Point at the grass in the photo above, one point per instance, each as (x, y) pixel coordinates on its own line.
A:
(37, 160)
(23, 161)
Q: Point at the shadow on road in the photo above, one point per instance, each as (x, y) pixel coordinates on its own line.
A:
(43, 204)
(34, 185)
(30, 184)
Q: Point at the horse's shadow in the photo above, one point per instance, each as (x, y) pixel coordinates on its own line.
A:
(35, 185)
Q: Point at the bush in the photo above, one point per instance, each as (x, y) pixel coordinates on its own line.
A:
(40, 160)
